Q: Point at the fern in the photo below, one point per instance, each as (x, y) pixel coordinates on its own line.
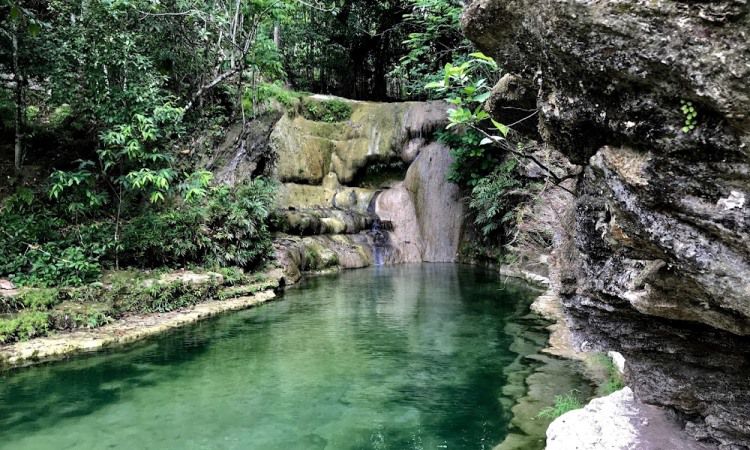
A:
(489, 201)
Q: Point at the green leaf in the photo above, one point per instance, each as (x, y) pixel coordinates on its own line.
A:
(481, 98)
(34, 29)
(503, 129)
(482, 56)
(15, 13)
(156, 196)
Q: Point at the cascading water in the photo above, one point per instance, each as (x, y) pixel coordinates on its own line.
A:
(383, 251)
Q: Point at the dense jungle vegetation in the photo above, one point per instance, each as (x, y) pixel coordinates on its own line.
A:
(102, 103)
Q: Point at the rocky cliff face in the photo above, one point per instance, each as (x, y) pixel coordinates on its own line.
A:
(659, 265)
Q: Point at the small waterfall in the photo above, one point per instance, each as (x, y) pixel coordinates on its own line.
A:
(382, 250)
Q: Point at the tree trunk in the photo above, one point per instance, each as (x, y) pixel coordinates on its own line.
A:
(18, 154)
(277, 35)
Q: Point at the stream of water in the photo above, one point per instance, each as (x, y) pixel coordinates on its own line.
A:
(406, 357)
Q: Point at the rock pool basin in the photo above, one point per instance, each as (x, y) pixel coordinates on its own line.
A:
(404, 357)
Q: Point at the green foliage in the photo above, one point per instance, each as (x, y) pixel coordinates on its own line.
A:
(343, 47)
(312, 259)
(24, 326)
(39, 299)
(160, 297)
(466, 87)
(37, 248)
(32, 113)
(489, 201)
(563, 403)
(60, 115)
(471, 161)
(131, 159)
(434, 39)
(50, 264)
(233, 276)
(220, 227)
(268, 92)
(330, 111)
(228, 227)
(92, 319)
(613, 380)
(691, 115)
(37, 311)
(483, 159)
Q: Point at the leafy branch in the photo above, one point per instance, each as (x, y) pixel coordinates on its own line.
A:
(468, 93)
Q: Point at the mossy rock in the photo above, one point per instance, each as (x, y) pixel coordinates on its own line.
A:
(308, 150)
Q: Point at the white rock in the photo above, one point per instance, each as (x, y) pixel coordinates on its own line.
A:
(603, 424)
(736, 200)
(618, 360)
(619, 421)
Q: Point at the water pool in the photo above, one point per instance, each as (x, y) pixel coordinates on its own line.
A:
(405, 357)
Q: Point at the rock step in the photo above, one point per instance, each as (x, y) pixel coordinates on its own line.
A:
(319, 253)
(323, 221)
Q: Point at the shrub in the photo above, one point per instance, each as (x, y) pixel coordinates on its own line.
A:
(255, 100)
(52, 264)
(563, 403)
(74, 316)
(40, 248)
(39, 299)
(34, 251)
(60, 115)
(471, 161)
(237, 225)
(156, 238)
(24, 326)
(330, 111)
(233, 276)
(160, 297)
(229, 227)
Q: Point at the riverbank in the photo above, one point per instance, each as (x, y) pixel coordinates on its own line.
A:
(614, 420)
(135, 327)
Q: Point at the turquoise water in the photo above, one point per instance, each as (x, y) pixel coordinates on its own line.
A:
(407, 357)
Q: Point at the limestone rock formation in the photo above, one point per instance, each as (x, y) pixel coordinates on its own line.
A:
(371, 190)
(308, 151)
(618, 422)
(659, 265)
(426, 211)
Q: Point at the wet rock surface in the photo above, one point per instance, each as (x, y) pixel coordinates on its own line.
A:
(659, 262)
